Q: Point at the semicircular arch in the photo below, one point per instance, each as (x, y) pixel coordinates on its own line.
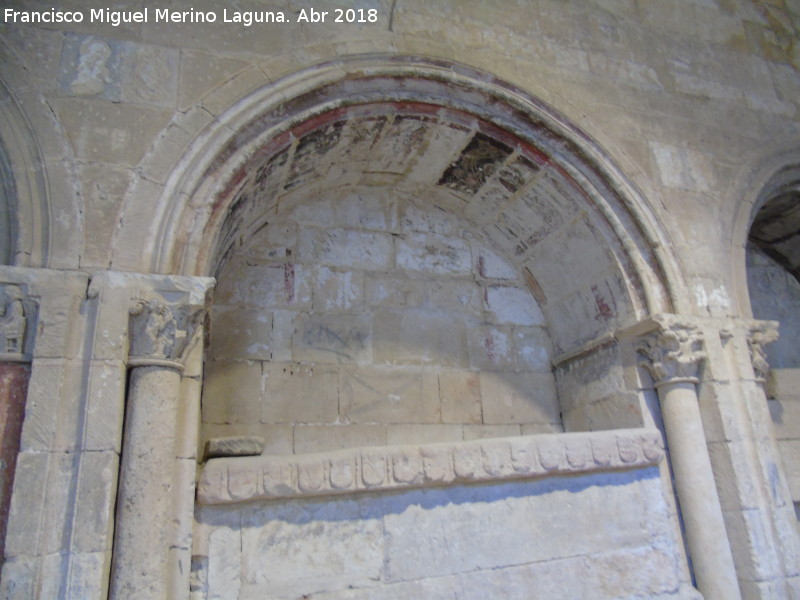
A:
(607, 217)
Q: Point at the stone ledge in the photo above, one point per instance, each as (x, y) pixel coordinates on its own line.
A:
(245, 479)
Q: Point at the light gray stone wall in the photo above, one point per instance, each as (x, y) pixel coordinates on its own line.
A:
(366, 318)
(555, 542)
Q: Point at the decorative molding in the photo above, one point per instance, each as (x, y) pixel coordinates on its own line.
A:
(245, 479)
(160, 333)
(674, 352)
(759, 335)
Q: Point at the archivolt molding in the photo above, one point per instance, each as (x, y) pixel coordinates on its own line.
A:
(776, 173)
(191, 205)
(49, 216)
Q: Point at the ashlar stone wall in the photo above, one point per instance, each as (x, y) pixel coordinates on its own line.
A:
(368, 318)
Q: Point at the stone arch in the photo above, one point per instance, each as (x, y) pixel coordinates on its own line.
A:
(767, 252)
(45, 215)
(540, 192)
(189, 213)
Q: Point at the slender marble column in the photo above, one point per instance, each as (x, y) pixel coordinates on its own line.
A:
(674, 356)
(13, 390)
(159, 336)
(14, 376)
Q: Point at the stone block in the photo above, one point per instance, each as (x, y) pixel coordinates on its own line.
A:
(618, 411)
(224, 563)
(93, 528)
(200, 72)
(436, 255)
(240, 333)
(590, 378)
(394, 291)
(790, 453)
(519, 398)
(103, 188)
(265, 285)
(90, 66)
(492, 348)
(786, 418)
(533, 349)
(389, 395)
(419, 337)
(149, 75)
(783, 383)
(107, 381)
(491, 265)
(324, 438)
(513, 305)
(419, 219)
(397, 435)
(18, 581)
(239, 445)
(460, 395)
(683, 168)
(296, 393)
(39, 503)
(455, 295)
(347, 248)
(278, 439)
(603, 514)
(109, 132)
(332, 338)
(374, 210)
(481, 432)
(338, 290)
(232, 392)
(282, 334)
(53, 406)
(275, 242)
(287, 550)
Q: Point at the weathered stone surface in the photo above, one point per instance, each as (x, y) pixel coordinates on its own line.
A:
(422, 543)
(332, 339)
(523, 398)
(389, 395)
(229, 391)
(460, 395)
(296, 393)
(417, 337)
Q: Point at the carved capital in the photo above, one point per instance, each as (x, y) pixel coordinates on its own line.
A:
(160, 332)
(673, 354)
(760, 334)
(16, 316)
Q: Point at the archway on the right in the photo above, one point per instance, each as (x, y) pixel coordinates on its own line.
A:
(773, 282)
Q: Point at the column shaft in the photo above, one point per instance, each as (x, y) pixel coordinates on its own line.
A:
(145, 503)
(702, 516)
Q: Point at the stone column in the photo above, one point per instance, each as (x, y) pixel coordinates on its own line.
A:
(14, 374)
(674, 356)
(160, 333)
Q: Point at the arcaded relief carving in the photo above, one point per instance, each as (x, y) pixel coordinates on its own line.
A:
(228, 480)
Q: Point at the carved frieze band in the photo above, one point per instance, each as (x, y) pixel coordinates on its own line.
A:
(16, 316)
(160, 333)
(761, 333)
(674, 353)
(244, 479)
